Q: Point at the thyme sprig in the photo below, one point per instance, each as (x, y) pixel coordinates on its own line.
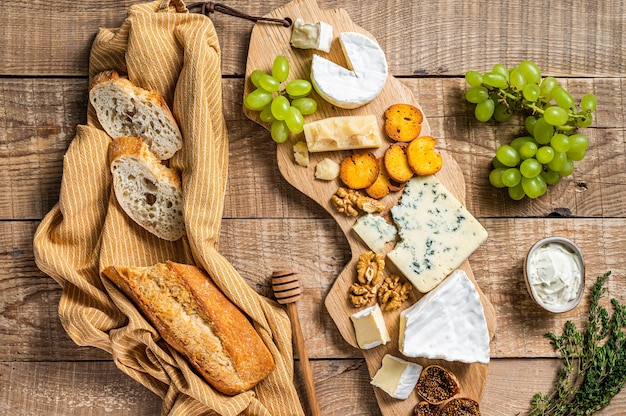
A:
(593, 361)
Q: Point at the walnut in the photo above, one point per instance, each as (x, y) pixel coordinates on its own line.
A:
(391, 293)
(370, 268)
(361, 295)
(349, 201)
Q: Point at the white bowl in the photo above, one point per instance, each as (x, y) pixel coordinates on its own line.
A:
(573, 248)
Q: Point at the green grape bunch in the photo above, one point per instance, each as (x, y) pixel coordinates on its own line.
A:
(283, 107)
(530, 163)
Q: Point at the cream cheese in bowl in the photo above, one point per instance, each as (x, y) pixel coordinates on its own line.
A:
(554, 271)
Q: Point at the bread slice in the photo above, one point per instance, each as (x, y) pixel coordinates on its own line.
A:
(149, 192)
(196, 319)
(124, 109)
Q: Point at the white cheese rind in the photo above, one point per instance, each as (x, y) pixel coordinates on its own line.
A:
(375, 232)
(448, 323)
(343, 133)
(397, 377)
(438, 233)
(358, 85)
(370, 328)
(312, 36)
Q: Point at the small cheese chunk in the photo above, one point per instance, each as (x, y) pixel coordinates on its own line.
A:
(438, 233)
(343, 133)
(448, 323)
(327, 170)
(301, 154)
(370, 328)
(312, 36)
(397, 377)
(358, 85)
(375, 231)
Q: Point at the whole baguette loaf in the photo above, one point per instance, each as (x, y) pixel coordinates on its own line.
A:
(124, 109)
(149, 192)
(196, 319)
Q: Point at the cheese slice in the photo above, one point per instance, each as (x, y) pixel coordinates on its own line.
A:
(343, 133)
(358, 85)
(448, 323)
(370, 328)
(437, 233)
(397, 377)
(375, 232)
(311, 36)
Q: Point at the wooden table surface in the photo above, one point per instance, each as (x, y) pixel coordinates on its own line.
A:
(44, 49)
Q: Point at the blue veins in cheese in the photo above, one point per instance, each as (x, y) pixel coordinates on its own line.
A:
(397, 377)
(437, 233)
(358, 85)
(448, 323)
(375, 232)
(370, 328)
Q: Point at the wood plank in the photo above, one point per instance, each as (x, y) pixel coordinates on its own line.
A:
(30, 328)
(434, 38)
(40, 116)
(100, 389)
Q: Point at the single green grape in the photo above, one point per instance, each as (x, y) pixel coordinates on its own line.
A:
(576, 155)
(529, 124)
(544, 155)
(269, 83)
(560, 143)
(484, 110)
(530, 168)
(547, 84)
(477, 95)
(306, 105)
(557, 116)
(531, 71)
(543, 131)
(517, 79)
(496, 163)
(280, 68)
(550, 177)
(528, 150)
(255, 76)
(280, 107)
(495, 80)
(562, 97)
(558, 161)
(517, 192)
(257, 99)
(568, 168)
(266, 114)
(507, 155)
(294, 120)
(279, 131)
(501, 69)
(298, 88)
(585, 121)
(502, 113)
(511, 177)
(532, 187)
(474, 78)
(518, 142)
(531, 92)
(495, 177)
(578, 142)
(588, 102)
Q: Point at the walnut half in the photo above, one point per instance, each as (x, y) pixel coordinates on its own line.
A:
(349, 202)
(392, 294)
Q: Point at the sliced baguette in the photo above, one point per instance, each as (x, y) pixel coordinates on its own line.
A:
(196, 319)
(124, 109)
(149, 192)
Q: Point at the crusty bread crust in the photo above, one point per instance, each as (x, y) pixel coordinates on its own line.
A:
(196, 319)
(124, 109)
(149, 192)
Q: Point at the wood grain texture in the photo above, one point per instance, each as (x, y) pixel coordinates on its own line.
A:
(420, 38)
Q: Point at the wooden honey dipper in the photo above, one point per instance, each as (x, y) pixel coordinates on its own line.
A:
(288, 290)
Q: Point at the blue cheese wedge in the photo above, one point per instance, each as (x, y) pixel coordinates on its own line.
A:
(448, 323)
(370, 328)
(375, 232)
(437, 233)
(358, 85)
(397, 377)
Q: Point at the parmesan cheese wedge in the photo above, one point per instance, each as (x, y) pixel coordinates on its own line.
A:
(342, 133)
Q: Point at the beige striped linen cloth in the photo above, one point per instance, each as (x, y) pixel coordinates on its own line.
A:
(160, 46)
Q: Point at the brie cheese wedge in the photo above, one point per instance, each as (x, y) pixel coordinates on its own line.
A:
(370, 328)
(397, 377)
(312, 36)
(448, 323)
(358, 85)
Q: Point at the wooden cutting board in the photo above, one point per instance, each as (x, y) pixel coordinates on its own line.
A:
(266, 42)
